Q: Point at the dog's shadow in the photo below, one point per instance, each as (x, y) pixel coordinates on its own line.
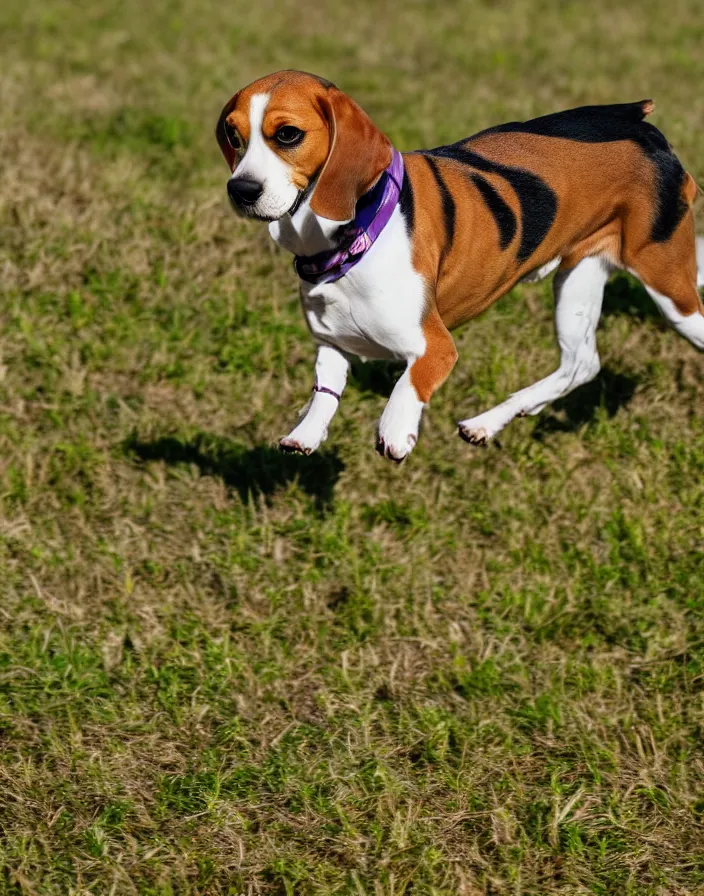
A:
(248, 471)
(610, 391)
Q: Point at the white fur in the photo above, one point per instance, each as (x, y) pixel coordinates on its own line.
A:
(304, 233)
(542, 272)
(400, 422)
(260, 163)
(376, 309)
(578, 293)
(690, 326)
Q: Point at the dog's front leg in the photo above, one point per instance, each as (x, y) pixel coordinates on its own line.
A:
(330, 378)
(400, 422)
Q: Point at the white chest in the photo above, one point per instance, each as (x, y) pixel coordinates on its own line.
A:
(376, 309)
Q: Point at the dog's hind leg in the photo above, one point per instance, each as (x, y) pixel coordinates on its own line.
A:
(578, 295)
(690, 325)
(671, 272)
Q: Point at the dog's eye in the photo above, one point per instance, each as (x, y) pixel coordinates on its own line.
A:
(233, 138)
(288, 135)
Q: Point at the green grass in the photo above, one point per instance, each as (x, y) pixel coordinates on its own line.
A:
(223, 670)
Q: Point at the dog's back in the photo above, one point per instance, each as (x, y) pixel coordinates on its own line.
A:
(598, 180)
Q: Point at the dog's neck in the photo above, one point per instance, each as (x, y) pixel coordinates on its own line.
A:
(325, 250)
(305, 233)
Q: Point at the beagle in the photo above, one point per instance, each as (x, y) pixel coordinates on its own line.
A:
(395, 250)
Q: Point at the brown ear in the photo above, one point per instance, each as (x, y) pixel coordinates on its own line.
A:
(223, 142)
(358, 154)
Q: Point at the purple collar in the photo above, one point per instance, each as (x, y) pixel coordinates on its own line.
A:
(373, 213)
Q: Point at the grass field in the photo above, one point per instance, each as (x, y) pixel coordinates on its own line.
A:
(226, 671)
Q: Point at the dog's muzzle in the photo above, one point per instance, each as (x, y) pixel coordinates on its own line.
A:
(245, 195)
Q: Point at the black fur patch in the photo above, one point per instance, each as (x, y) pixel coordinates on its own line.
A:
(588, 124)
(672, 206)
(448, 203)
(503, 213)
(607, 124)
(405, 201)
(538, 202)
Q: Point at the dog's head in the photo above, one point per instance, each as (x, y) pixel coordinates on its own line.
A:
(292, 135)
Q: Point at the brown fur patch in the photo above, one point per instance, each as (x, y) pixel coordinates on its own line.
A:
(430, 371)
(224, 144)
(358, 154)
(606, 196)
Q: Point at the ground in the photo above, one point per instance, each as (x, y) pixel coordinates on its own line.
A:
(223, 670)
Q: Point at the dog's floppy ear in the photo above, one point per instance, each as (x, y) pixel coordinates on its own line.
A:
(225, 148)
(358, 154)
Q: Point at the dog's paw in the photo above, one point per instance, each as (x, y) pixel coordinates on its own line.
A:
(473, 436)
(398, 432)
(305, 439)
(395, 451)
(478, 430)
(400, 422)
(293, 446)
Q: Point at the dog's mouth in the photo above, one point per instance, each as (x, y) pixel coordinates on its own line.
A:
(246, 211)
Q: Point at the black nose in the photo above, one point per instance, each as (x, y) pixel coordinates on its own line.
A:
(244, 191)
